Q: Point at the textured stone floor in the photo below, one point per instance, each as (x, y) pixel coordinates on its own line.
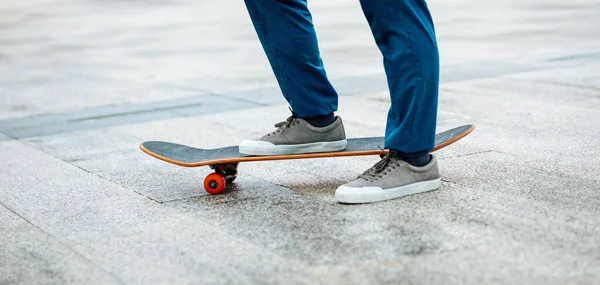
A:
(82, 83)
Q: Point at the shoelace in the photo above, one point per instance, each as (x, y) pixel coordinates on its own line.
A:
(384, 166)
(281, 126)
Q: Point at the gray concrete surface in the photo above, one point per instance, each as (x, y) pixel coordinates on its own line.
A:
(82, 83)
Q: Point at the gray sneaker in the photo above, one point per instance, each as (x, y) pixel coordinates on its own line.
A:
(390, 178)
(296, 136)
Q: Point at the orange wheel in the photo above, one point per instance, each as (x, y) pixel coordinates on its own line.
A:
(214, 183)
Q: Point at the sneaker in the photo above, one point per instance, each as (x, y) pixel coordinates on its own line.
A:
(390, 178)
(296, 136)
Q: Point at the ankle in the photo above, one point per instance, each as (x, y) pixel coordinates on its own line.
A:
(417, 159)
(321, 121)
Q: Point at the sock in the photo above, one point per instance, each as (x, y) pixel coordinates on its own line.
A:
(321, 121)
(417, 159)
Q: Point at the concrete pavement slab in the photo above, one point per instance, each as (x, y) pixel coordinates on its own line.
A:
(107, 116)
(582, 76)
(128, 236)
(38, 99)
(535, 118)
(533, 88)
(114, 154)
(29, 255)
(210, 131)
(115, 55)
(147, 176)
(109, 59)
(83, 124)
(83, 83)
(76, 146)
(468, 224)
(533, 30)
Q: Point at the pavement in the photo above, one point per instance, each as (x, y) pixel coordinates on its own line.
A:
(82, 83)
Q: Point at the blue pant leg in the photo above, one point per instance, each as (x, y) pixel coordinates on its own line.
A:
(288, 37)
(404, 33)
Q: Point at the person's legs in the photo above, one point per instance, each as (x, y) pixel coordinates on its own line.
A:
(288, 37)
(404, 33)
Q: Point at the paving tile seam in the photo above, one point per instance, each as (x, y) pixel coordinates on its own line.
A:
(87, 157)
(166, 202)
(575, 57)
(5, 137)
(26, 220)
(259, 104)
(63, 244)
(120, 114)
(549, 82)
(105, 111)
(113, 182)
(130, 191)
(483, 94)
(474, 153)
(404, 259)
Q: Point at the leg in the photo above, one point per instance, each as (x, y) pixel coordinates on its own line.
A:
(404, 33)
(288, 37)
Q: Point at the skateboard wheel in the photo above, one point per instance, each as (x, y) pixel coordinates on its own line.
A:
(214, 183)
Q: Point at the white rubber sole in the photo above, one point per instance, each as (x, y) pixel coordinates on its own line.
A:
(250, 147)
(357, 195)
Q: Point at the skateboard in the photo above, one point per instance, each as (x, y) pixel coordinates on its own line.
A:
(224, 160)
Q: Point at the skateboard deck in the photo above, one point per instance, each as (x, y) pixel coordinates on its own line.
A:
(224, 160)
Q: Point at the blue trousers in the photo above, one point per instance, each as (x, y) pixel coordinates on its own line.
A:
(404, 33)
